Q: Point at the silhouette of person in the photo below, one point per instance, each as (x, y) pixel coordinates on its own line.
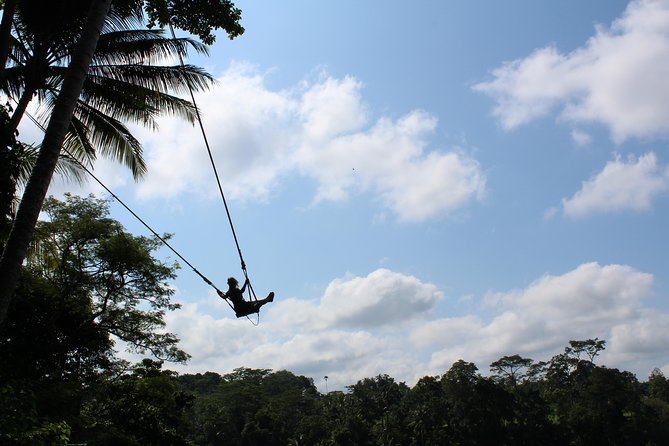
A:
(243, 307)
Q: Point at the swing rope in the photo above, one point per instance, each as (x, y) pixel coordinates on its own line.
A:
(146, 225)
(162, 239)
(218, 180)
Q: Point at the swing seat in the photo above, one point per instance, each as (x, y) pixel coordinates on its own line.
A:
(246, 309)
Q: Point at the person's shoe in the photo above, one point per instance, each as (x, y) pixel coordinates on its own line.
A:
(270, 297)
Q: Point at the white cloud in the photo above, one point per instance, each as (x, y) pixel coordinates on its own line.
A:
(321, 130)
(539, 320)
(618, 78)
(110, 173)
(381, 298)
(640, 340)
(385, 323)
(581, 138)
(620, 186)
(248, 129)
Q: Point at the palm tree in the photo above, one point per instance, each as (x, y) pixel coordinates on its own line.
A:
(54, 136)
(127, 82)
(8, 10)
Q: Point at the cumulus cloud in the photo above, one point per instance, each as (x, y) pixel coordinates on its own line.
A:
(539, 320)
(617, 78)
(640, 340)
(386, 322)
(630, 184)
(381, 298)
(248, 130)
(321, 130)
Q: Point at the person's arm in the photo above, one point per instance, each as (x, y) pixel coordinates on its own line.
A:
(222, 294)
(246, 282)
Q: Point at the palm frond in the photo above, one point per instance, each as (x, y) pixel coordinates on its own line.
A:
(138, 93)
(18, 53)
(66, 167)
(143, 99)
(145, 108)
(176, 79)
(77, 145)
(124, 16)
(129, 81)
(13, 82)
(109, 138)
(142, 46)
(24, 163)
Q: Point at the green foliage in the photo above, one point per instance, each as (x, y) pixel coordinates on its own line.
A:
(595, 406)
(87, 280)
(198, 17)
(88, 256)
(144, 407)
(253, 406)
(426, 412)
(510, 369)
(128, 81)
(20, 424)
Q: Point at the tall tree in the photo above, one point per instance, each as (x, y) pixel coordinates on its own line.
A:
(8, 9)
(198, 17)
(125, 289)
(35, 191)
(91, 284)
(510, 369)
(128, 81)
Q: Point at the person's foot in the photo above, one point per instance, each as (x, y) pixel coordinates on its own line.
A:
(270, 297)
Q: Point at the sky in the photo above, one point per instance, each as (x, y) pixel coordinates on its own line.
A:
(420, 183)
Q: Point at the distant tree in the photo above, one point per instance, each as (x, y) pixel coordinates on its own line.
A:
(589, 347)
(510, 369)
(289, 399)
(658, 385)
(479, 409)
(530, 422)
(144, 407)
(377, 403)
(426, 413)
(257, 407)
(337, 422)
(200, 383)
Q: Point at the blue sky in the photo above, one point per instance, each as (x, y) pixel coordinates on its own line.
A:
(421, 183)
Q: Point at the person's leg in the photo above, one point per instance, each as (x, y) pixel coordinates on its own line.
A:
(269, 298)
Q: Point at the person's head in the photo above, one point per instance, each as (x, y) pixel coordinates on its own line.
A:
(232, 282)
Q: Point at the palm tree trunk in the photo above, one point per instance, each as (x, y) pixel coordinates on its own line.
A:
(20, 109)
(5, 31)
(38, 184)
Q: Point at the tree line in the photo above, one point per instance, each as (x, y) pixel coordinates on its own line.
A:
(88, 282)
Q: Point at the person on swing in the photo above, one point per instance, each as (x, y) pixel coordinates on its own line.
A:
(243, 307)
